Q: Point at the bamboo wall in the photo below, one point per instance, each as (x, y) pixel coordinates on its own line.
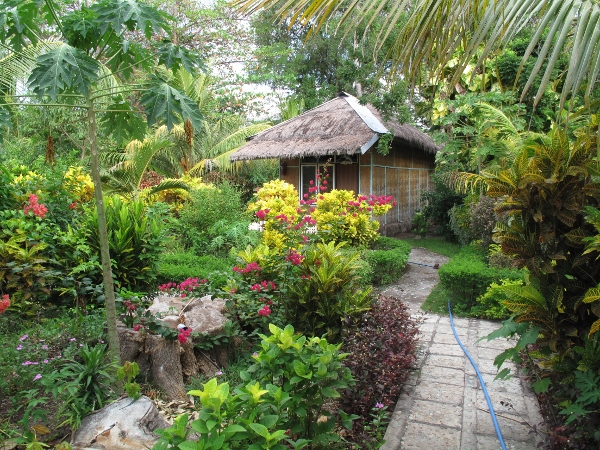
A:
(404, 174)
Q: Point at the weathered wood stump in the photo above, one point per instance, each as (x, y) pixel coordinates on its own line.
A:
(166, 362)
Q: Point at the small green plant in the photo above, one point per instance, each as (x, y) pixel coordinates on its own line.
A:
(279, 405)
(82, 384)
(388, 258)
(420, 224)
(377, 427)
(127, 372)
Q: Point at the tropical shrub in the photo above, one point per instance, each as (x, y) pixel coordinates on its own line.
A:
(387, 258)
(460, 223)
(467, 276)
(437, 205)
(314, 287)
(483, 219)
(343, 217)
(207, 206)
(26, 267)
(281, 400)
(180, 266)
(420, 224)
(490, 305)
(382, 344)
(135, 241)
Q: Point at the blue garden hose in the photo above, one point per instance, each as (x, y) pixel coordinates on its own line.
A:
(485, 392)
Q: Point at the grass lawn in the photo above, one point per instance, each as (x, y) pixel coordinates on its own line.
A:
(436, 244)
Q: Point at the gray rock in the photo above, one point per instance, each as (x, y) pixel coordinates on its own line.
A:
(124, 424)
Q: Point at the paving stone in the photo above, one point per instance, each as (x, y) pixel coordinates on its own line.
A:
(443, 349)
(512, 427)
(504, 403)
(448, 339)
(512, 385)
(419, 436)
(427, 327)
(439, 392)
(492, 443)
(443, 374)
(454, 362)
(436, 413)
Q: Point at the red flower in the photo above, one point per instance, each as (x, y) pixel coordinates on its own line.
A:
(73, 205)
(4, 303)
(183, 335)
(137, 327)
(264, 311)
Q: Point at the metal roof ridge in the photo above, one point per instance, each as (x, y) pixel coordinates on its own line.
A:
(363, 112)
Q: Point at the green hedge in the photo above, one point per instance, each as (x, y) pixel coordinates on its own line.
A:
(467, 276)
(178, 267)
(387, 258)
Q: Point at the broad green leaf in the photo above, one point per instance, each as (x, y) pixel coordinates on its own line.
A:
(592, 295)
(130, 15)
(164, 102)
(123, 122)
(4, 121)
(330, 392)
(542, 385)
(63, 69)
(82, 29)
(18, 23)
(269, 420)
(259, 429)
(175, 57)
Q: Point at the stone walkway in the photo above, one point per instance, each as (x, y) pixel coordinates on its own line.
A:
(443, 407)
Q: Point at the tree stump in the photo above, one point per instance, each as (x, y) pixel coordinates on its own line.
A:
(166, 362)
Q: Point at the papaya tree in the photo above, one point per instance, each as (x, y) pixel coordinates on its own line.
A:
(94, 60)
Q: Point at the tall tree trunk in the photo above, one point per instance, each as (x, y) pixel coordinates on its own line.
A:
(109, 289)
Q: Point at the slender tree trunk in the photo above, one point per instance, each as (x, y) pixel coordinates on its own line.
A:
(109, 289)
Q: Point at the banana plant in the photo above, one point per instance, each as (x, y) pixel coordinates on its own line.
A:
(94, 65)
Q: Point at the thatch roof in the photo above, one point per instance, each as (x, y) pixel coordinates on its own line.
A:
(337, 127)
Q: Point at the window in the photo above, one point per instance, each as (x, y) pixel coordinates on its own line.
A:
(308, 173)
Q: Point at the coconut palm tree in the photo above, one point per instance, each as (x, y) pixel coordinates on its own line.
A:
(438, 31)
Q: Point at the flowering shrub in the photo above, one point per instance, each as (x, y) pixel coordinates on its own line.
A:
(79, 184)
(338, 215)
(32, 205)
(345, 217)
(191, 286)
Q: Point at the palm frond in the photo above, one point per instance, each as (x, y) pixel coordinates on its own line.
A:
(437, 29)
(169, 184)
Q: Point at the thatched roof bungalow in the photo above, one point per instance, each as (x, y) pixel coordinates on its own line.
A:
(344, 134)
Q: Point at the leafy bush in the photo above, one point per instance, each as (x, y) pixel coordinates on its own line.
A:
(437, 205)
(468, 276)
(483, 219)
(282, 399)
(387, 258)
(420, 224)
(208, 205)
(382, 347)
(135, 241)
(490, 305)
(460, 222)
(26, 267)
(181, 266)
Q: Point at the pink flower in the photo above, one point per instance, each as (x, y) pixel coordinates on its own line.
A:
(22, 338)
(38, 209)
(37, 377)
(137, 327)
(264, 311)
(378, 405)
